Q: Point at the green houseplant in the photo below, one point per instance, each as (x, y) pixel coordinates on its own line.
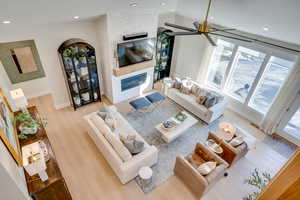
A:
(259, 181)
(28, 125)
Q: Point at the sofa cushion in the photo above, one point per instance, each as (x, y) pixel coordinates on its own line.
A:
(118, 146)
(100, 124)
(110, 121)
(191, 99)
(112, 138)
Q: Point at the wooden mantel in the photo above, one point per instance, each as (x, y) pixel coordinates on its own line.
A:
(133, 68)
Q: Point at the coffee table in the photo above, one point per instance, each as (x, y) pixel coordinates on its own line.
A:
(170, 135)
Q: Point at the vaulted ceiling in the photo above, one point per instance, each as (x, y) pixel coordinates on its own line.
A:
(280, 17)
(53, 11)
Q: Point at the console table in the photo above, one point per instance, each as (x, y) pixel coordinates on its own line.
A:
(55, 187)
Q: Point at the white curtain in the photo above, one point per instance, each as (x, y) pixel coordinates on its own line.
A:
(284, 99)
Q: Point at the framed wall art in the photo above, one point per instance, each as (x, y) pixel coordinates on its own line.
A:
(8, 133)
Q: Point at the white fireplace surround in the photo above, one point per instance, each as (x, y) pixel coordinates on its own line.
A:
(119, 96)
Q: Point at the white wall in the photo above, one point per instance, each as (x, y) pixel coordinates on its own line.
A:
(189, 51)
(12, 181)
(111, 28)
(48, 38)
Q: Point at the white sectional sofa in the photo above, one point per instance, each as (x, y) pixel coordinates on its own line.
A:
(125, 166)
(188, 101)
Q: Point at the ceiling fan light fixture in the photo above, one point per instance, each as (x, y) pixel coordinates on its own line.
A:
(133, 4)
(265, 28)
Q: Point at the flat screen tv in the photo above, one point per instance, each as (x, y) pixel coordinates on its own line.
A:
(136, 51)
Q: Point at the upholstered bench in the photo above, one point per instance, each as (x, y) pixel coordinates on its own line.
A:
(140, 104)
(155, 98)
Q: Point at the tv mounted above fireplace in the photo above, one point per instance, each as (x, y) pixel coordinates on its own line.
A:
(136, 51)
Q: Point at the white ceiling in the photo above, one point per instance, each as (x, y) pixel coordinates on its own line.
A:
(54, 11)
(280, 16)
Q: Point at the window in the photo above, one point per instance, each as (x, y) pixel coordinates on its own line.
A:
(251, 75)
(219, 63)
(272, 79)
(244, 70)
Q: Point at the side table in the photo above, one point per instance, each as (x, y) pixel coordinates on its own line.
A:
(145, 174)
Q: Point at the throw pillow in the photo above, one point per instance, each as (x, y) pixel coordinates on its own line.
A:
(134, 146)
(186, 86)
(177, 83)
(111, 122)
(210, 101)
(195, 89)
(201, 99)
(127, 136)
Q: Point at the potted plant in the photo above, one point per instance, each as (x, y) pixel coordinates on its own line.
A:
(259, 181)
(28, 125)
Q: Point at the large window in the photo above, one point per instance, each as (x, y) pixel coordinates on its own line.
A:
(273, 78)
(244, 70)
(252, 77)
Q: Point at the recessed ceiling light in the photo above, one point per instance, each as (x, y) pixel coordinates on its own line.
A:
(6, 22)
(265, 28)
(162, 3)
(133, 4)
(76, 17)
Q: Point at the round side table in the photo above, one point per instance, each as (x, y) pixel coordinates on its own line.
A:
(145, 174)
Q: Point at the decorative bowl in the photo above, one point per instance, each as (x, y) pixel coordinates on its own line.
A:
(214, 146)
(169, 125)
(181, 117)
(237, 141)
(207, 167)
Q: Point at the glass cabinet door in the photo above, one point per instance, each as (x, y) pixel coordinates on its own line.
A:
(91, 59)
(79, 62)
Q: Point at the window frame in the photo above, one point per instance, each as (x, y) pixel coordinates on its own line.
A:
(269, 53)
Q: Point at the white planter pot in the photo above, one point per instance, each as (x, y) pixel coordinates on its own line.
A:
(28, 131)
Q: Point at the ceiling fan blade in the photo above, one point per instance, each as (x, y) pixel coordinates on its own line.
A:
(182, 33)
(196, 25)
(235, 38)
(211, 41)
(180, 27)
(225, 29)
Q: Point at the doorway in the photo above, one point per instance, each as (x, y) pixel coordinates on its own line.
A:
(289, 127)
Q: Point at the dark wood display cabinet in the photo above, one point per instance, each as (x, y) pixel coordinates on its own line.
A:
(80, 66)
(164, 53)
(55, 187)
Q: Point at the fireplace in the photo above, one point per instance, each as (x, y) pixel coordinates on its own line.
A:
(133, 81)
(132, 84)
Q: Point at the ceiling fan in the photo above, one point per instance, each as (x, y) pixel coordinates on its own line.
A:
(207, 30)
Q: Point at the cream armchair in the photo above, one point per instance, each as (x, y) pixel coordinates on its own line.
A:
(186, 170)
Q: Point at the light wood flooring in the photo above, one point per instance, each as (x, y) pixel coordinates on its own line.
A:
(89, 177)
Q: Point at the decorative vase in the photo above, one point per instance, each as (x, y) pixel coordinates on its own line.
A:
(28, 130)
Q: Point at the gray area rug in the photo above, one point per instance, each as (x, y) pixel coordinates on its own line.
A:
(144, 124)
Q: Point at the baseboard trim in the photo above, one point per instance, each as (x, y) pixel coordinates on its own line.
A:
(62, 105)
(38, 94)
